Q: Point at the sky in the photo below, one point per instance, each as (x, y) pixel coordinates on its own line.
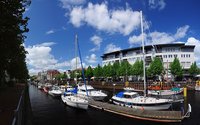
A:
(104, 26)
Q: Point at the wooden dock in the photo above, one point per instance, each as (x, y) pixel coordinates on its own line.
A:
(157, 116)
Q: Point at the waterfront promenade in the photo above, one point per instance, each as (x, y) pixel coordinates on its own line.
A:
(15, 106)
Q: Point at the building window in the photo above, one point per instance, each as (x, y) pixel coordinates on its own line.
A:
(175, 56)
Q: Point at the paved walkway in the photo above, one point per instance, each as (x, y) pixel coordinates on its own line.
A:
(9, 99)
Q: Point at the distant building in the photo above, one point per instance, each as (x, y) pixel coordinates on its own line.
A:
(167, 53)
(41, 76)
(51, 74)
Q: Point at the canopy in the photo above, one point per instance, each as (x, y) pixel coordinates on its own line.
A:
(120, 94)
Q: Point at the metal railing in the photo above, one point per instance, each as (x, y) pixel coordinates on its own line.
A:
(18, 112)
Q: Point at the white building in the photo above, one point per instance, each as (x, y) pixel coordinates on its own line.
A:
(167, 53)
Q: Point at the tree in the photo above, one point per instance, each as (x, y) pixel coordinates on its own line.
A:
(137, 68)
(193, 70)
(89, 73)
(98, 71)
(156, 67)
(176, 68)
(124, 69)
(115, 70)
(13, 25)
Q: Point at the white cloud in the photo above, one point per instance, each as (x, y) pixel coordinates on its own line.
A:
(160, 37)
(50, 32)
(111, 48)
(39, 57)
(136, 39)
(196, 42)
(66, 4)
(45, 44)
(73, 64)
(123, 21)
(76, 16)
(97, 42)
(181, 32)
(91, 59)
(154, 4)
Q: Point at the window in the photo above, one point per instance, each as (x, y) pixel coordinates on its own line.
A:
(175, 56)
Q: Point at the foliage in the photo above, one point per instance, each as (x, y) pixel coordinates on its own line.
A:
(193, 70)
(98, 71)
(176, 68)
(137, 68)
(124, 69)
(89, 72)
(116, 70)
(156, 67)
(13, 25)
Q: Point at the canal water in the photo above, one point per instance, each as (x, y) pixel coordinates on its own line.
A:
(52, 111)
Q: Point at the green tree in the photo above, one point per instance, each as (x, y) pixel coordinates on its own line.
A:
(89, 73)
(156, 67)
(98, 71)
(193, 70)
(116, 70)
(137, 68)
(72, 75)
(125, 69)
(176, 68)
(13, 25)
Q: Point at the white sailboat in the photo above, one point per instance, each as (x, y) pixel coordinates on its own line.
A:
(133, 100)
(92, 93)
(170, 92)
(55, 91)
(71, 98)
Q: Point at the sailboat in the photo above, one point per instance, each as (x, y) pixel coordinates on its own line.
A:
(71, 98)
(134, 100)
(92, 93)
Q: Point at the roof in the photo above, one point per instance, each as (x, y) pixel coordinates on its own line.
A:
(151, 46)
(130, 93)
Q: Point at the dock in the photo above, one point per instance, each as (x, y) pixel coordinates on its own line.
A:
(156, 116)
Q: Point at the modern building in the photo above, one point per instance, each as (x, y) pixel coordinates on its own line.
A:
(167, 53)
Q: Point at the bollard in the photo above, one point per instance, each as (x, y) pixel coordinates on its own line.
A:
(185, 91)
(126, 83)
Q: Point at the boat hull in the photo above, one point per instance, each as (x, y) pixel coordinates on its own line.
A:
(163, 106)
(74, 103)
(54, 94)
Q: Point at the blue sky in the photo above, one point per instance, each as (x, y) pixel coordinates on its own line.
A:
(104, 26)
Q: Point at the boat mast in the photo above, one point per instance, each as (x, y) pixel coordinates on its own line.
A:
(143, 53)
(81, 64)
(76, 39)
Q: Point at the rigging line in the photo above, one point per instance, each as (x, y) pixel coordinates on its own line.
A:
(81, 64)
